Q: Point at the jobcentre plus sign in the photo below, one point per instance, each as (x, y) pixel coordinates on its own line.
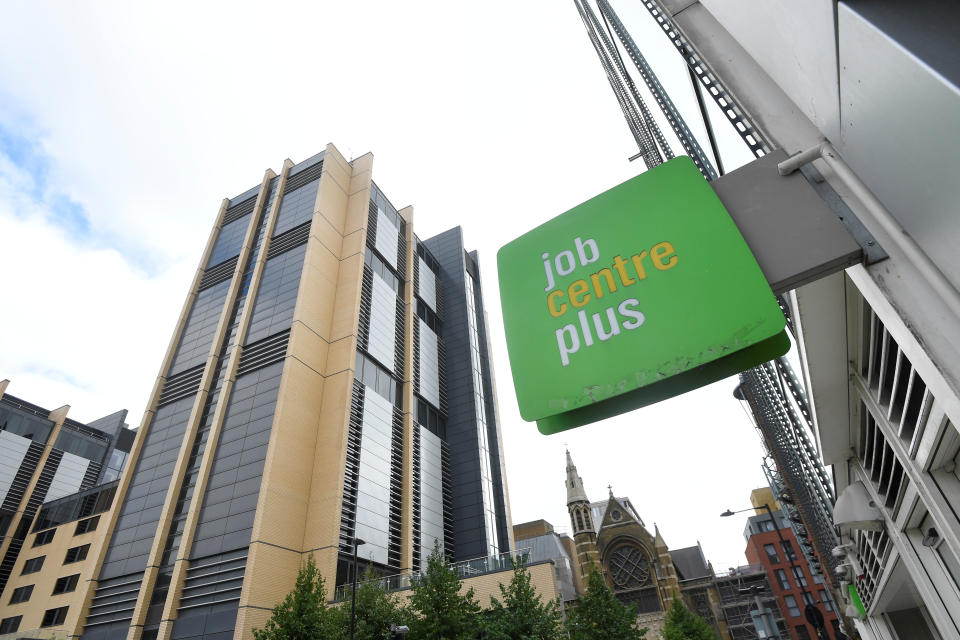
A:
(643, 292)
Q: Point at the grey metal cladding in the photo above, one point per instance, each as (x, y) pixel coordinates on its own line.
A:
(426, 283)
(296, 207)
(381, 342)
(388, 238)
(431, 494)
(230, 502)
(465, 468)
(229, 240)
(429, 358)
(373, 488)
(197, 335)
(277, 295)
(140, 512)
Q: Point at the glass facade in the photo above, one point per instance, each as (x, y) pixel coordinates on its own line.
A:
(486, 476)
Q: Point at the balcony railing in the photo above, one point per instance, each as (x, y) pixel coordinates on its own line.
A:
(465, 569)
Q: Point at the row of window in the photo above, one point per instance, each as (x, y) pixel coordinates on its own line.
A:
(65, 584)
(84, 526)
(430, 418)
(51, 618)
(793, 609)
(428, 258)
(74, 554)
(382, 269)
(425, 313)
(378, 379)
(788, 552)
(798, 575)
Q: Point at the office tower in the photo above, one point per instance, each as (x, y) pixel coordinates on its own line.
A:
(54, 471)
(328, 381)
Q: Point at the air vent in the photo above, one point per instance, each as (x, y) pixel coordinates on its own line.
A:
(218, 273)
(237, 211)
(263, 353)
(181, 385)
(303, 178)
(289, 240)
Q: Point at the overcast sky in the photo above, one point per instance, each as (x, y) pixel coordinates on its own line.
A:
(123, 125)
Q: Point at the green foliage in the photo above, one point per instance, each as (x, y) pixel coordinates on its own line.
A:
(600, 616)
(442, 612)
(522, 614)
(683, 624)
(303, 614)
(376, 610)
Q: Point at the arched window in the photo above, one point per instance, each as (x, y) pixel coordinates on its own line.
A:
(586, 518)
(579, 521)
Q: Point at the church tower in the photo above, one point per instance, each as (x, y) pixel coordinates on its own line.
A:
(581, 521)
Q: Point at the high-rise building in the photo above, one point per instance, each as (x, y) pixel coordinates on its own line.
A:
(328, 383)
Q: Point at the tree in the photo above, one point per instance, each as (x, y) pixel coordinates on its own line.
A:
(303, 614)
(600, 616)
(522, 614)
(683, 624)
(442, 612)
(376, 610)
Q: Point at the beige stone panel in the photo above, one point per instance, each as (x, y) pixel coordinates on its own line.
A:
(248, 619)
(315, 302)
(3, 386)
(542, 577)
(285, 489)
(347, 302)
(358, 211)
(307, 347)
(326, 493)
(326, 234)
(342, 355)
(270, 575)
(337, 166)
(331, 201)
(362, 169)
(322, 259)
(353, 243)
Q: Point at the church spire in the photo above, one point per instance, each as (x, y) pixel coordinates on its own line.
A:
(575, 492)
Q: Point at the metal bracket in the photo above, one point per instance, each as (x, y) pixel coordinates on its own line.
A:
(872, 251)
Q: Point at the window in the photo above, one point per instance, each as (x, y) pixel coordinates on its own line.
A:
(33, 565)
(817, 578)
(798, 574)
(825, 599)
(76, 554)
(66, 584)
(788, 550)
(802, 632)
(808, 598)
(85, 526)
(771, 553)
(21, 594)
(53, 617)
(792, 607)
(9, 625)
(44, 537)
(783, 579)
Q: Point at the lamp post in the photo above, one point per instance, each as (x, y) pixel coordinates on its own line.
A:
(792, 558)
(353, 592)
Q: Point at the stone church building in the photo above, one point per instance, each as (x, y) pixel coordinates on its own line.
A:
(639, 566)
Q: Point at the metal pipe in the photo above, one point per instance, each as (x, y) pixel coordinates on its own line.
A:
(927, 268)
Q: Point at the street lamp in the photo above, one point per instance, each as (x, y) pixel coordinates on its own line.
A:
(353, 595)
(813, 617)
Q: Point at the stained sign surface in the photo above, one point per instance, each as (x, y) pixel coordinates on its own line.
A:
(642, 293)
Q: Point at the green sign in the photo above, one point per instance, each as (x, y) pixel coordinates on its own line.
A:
(642, 293)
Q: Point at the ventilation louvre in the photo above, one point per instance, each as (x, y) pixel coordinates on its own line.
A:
(289, 240)
(237, 211)
(303, 178)
(181, 385)
(263, 353)
(218, 273)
